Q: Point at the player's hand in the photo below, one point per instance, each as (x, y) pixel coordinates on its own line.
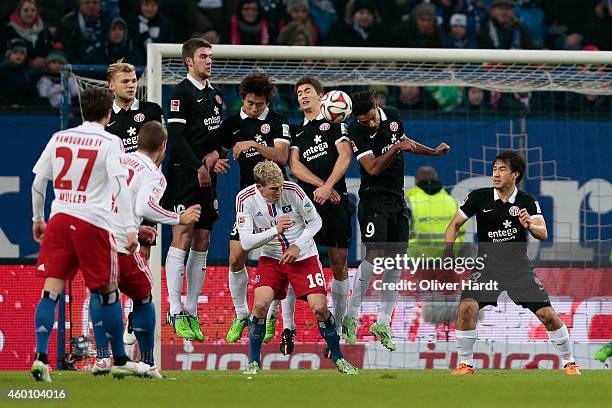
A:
(191, 215)
(283, 224)
(322, 194)
(38, 230)
(525, 218)
(407, 145)
(241, 147)
(335, 197)
(132, 242)
(210, 159)
(221, 166)
(441, 149)
(147, 233)
(290, 255)
(204, 177)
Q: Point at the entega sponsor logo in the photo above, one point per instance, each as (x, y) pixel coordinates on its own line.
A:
(212, 122)
(503, 235)
(315, 151)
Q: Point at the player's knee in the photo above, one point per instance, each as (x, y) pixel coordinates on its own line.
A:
(260, 308)
(548, 318)
(236, 262)
(467, 310)
(108, 298)
(320, 310)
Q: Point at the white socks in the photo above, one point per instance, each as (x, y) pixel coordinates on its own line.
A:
(388, 298)
(339, 295)
(175, 269)
(561, 340)
(465, 345)
(196, 271)
(288, 304)
(238, 283)
(361, 283)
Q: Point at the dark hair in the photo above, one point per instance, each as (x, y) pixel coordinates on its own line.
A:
(363, 102)
(191, 46)
(308, 80)
(151, 136)
(257, 83)
(96, 103)
(515, 160)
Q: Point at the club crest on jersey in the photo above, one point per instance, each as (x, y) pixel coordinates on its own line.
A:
(514, 211)
(241, 221)
(175, 105)
(287, 209)
(265, 128)
(324, 127)
(393, 126)
(218, 99)
(354, 146)
(139, 117)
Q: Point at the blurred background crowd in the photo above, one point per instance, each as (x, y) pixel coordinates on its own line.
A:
(38, 36)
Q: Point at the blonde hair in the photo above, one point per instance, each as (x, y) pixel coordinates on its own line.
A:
(119, 66)
(266, 172)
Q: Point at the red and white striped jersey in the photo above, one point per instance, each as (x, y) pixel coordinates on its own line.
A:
(256, 219)
(147, 184)
(81, 162)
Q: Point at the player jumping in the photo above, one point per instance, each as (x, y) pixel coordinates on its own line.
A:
(504, 215)
(285, 222)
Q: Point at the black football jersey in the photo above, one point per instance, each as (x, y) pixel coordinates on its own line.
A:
(378, 141)
(316, 141)
(194, 122)
(268, 128)
(498, 222)
(126, 123)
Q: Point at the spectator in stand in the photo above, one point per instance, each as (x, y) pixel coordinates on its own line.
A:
(323, 13)
(83, 31)
(476, 14)
(475, 100)
(415, 99)
(212, 35)
(503, 30)
(360, 29)
(298, 11)
(49, 85)
(186, 18)
(565, 18)
(295, 33)
(445, 10)
(530, 14)
(52, 11)
(458, 36)
(247, 26)
(16, 77)
(272, 11)
(149, 26)
(213, 11)
(420, 30)
(599, 32)
(26, 24)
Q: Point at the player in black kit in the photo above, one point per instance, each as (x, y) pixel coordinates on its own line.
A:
(320, 155)
(127, 116)
(504, 215)
(257, 133)
(378, 139)
(194, 130)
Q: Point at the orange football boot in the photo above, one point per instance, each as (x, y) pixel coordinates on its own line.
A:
(463, 369)
(571, 369)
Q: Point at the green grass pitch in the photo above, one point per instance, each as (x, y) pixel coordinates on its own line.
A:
(324, 388)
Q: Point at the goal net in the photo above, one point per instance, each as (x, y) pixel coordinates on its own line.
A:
(551, 105)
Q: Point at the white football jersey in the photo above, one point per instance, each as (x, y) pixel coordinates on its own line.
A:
(147, 185)
(81, 162)
(256, 214)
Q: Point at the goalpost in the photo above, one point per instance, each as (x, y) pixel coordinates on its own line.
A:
(499, 70)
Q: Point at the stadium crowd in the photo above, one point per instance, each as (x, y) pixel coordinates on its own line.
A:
(38, 36)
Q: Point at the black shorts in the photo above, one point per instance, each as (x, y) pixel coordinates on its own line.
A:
(145, 243)
(522, 285)
(337, 230)
(383, 218)
(183, 191)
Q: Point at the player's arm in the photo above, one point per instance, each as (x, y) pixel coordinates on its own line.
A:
(313, 224)
(44, 172)
(376, 165)
(118, 176)
(249, 239)
(147, 206)
(535, 223)
(465, 211)
(325, 192)
(300, 171)
(279, 153)
(421, 149)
